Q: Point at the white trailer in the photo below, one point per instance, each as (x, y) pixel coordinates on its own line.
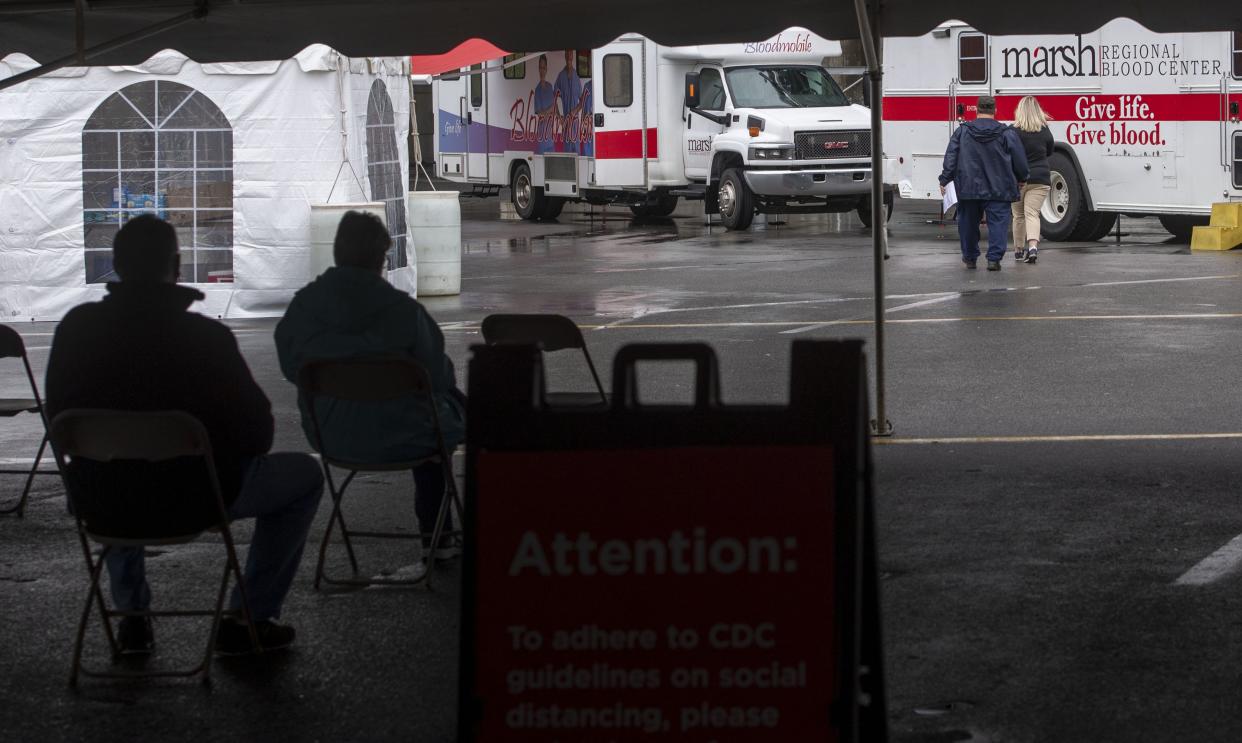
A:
(750, 128)
(1145, 123)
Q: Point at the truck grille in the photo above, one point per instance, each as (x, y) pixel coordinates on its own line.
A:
(831, 145)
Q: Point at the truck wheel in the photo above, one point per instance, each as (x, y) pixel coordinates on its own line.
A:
(1096, 226)
(552, 207)
(737, 204)
(864, 209)
(1182, 226)
(661, 207)
(528, 200)
(1067, 201)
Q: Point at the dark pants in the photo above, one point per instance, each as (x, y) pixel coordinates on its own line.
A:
(428, 492)
(281, 493)
(969, 212)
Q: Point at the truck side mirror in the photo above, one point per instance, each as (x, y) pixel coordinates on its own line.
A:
(692, 90)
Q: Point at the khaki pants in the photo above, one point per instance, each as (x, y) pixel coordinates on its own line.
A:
(1026, 214)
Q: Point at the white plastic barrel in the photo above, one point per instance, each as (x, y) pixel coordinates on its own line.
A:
(435, 231)
(323, 221)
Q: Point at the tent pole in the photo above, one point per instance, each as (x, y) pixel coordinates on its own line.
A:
(869, 33)
(82, 55)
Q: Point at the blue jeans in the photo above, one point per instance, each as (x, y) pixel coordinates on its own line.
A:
(969, 212)
(281, 493)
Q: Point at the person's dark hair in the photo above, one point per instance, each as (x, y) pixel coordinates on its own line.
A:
(986, 104)
(362, 241)
(145, 249)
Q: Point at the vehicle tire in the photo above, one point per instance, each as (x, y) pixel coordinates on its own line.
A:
(528, 200)
(1066, 205)
(737, 203)
(1182, 226)
(661, 207)
(864, 209)
(552, 206)
(1096, 226)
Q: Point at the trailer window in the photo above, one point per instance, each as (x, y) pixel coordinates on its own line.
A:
(1237, 160)
(972, 58)
(584, 65)
(618, 80)
(1237, 54)
(476, 86)
(711, 90)
(517, 71)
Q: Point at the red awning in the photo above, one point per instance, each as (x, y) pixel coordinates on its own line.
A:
(464, 54)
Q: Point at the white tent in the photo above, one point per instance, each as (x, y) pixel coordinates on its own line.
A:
(233, 154)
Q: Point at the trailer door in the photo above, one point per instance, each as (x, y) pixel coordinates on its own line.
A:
(1232, 108)
(973, 78)
(623, 143)
(450, 103)
(474, 104)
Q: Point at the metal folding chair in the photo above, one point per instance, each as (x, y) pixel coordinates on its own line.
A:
(549, 333)
(112, 436)
(11, 346)
(363, 380)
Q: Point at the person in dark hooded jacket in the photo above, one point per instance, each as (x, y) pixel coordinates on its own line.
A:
(142, 349)
(351, 311)
(987, 165)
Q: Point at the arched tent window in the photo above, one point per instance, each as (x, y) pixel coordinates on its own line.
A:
(384, 169)
(160, 147)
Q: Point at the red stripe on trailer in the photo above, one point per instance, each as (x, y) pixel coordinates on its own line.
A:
(624, 144)
(1062, 107)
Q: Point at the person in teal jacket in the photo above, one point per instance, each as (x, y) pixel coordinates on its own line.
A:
(350, 311)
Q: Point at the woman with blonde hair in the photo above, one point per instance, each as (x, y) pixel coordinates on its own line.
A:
(1031, 123)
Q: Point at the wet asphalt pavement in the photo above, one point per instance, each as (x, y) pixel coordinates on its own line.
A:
(1028, 582)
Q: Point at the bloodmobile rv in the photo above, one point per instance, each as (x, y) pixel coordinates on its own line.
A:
(1145, 123)
(750, 128)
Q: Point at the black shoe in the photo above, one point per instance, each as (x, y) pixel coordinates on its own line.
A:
(1032, 255)
(1019, 255)
(993, 265)
(135, 636)
(234, 639)
(971, 264)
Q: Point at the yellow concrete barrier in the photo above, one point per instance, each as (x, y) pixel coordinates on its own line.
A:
(1224, 232)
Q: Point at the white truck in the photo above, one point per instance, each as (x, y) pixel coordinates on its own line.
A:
(1144, 123)
(750, 128)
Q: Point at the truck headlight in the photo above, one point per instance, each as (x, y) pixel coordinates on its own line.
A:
(782, 152)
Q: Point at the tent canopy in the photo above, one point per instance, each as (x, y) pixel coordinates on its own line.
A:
(469, 52)
(246, 30)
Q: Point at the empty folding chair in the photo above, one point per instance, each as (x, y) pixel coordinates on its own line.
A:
(11, 346)
(550, 333)
(363, 380)
(107, 455)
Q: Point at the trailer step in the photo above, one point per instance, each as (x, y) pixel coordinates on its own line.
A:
(1225, 230)
(482, 191)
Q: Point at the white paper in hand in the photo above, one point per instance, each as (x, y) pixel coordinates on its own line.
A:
(949, 203)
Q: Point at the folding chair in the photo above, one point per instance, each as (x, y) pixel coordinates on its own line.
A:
(11, 346)
(363, 380)
(550, 333)
(112, 436)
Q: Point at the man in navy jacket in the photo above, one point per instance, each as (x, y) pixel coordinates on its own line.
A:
(142, 349)
(987, 165)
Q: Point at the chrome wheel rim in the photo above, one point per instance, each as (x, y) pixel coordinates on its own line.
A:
(521, 192)
(728, 198)
(1057, 203)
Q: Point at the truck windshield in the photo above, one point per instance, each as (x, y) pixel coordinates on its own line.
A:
(783, 87)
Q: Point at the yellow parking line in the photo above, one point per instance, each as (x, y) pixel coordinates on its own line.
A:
(917, 321)
(1059, 439)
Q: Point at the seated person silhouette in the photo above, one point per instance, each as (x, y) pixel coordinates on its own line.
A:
(350, 311)
(140, 348)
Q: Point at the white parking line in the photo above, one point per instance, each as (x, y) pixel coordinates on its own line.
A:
(1223, 562)
(898, 308)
